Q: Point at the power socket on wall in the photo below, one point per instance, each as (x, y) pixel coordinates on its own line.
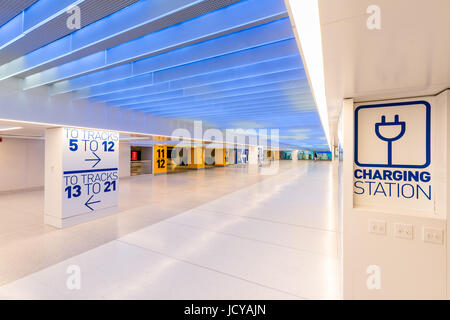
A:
(433, 235)
(403, 231)
(377, 227)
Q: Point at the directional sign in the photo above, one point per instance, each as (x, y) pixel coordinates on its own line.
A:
(97, 160)
(160, 157)
(90, 170)
(81, 166)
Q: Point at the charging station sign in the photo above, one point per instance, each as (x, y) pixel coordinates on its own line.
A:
(392, 155)
(90, 170)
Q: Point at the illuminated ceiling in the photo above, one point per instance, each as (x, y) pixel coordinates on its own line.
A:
(229, 63)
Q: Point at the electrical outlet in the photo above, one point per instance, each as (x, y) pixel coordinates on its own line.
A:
(403, 231)
(433, 235)
(377, 227)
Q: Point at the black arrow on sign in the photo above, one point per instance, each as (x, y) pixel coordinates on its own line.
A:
(97, 160)
(88, 203)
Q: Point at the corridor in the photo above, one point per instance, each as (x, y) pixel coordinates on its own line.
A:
(254, 237)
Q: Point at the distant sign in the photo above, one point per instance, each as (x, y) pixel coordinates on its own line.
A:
(160, 157)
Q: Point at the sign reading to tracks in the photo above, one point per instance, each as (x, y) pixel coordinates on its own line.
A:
(90, 170)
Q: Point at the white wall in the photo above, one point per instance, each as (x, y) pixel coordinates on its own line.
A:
(147, 153)
(21, 164)
(409, 268)
(124, 159)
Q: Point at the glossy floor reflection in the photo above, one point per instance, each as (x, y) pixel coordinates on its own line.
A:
(216, 234)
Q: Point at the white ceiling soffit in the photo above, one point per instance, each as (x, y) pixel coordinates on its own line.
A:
(408, 56)
(305, 20)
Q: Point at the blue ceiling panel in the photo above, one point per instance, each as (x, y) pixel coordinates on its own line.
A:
(32, 16)
(170, 39)
(11, 30)
(278, 56)
(105, 24)
(44, 9)
(218, 110)
(249, 38)
(240, 102)
(45, 22)
(230, 63)
(294, 84)
(246, 39)
(266, 67)
(207, 26)
(226, 112)
(10, 9)
(272, 78)
(238, 98)
(294, 74)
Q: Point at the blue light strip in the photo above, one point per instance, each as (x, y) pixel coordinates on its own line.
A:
(249, 70)
(150, 91)
(209, 25)
(190, 101)
(303, 99)
(277, 78)
(33, 17)
(253, 116)
(140, 85)
(294, 84)
(108, 84)
(133, 16)
(223, 97)
(277, 97)
(235, 67)
(268, 110)
(299, 103)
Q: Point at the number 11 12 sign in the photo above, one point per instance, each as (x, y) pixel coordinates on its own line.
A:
(160, 163)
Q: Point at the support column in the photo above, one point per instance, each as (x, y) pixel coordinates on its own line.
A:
(232, 156)
(253, 162)
(221, 157)
(197, 158)
(81, 175)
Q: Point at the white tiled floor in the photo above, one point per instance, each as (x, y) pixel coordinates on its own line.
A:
(274, 239)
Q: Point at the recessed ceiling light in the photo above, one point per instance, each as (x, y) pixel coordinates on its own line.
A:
(307, 24)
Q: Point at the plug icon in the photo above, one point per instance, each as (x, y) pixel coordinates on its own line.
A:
(384, 131)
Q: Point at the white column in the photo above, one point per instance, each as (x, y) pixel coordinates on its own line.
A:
(253, 155)
(81, 175)
(253, 160)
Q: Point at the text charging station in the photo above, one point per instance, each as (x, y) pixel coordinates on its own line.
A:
(395, 198)
(393, 155)
(85, 170)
